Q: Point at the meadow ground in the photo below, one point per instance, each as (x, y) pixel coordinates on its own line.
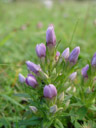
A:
(75, 24)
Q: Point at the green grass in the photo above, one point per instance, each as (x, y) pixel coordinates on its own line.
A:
(74, 22)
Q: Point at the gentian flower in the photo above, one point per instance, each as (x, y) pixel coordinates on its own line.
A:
(21, 78)
(33, 67)
(57, 55)
(31, 81)
(73, 76)
(93, 62)
(65, 54)
(74, 55)
(41, 50)
(50, 91)
(84, 71)
(50, 36)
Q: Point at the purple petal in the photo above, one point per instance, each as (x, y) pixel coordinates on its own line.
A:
(33, 67)
(57, 54)
(50, 91)
(74, 55)
(41, 50)
(84, 71)
(53, 90)
(93, 62)
(73, 76)
(31, 81)
(21, 78)
(50, 36)
(65, 54)
(47, 92)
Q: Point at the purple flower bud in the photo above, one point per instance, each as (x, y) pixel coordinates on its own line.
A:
(57, 55)
(73, 76)
(50, 91)
(31, 81)
(65, 54)
(50, 36)
(93, 62)
(33, 67)
(41, 50)
(74, 55)
(84, 71)
(21, 78)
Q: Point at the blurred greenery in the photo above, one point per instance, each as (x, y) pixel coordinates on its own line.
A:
(19, 33)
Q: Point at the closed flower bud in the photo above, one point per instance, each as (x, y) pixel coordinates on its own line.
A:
(74, 55)
(50, 36)
(68, 89)
(94, 80)
(84, 71)
(31, 81)
(43, 75)
(74, 89)
(41, 50)
(21, 78)
(88, 90)
(33, 109)
(50, 91)
(65, 54)
(67, 103)
(73, 76)
(61, 96)
(57, 56)
(93, 62)
(33, 67)
(53, 109)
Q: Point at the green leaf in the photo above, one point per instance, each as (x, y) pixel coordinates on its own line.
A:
(58, 124)
(81, 112)
(77, 125)
(67, 97)
(12, 100)
(46, 124)
(10, 118)
(3, 122)
(32, 121)
(22, 95)
(93, 108)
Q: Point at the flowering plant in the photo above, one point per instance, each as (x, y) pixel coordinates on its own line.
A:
(57, 97)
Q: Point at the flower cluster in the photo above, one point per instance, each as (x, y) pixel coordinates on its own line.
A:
(55, 83)
(50, 90)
